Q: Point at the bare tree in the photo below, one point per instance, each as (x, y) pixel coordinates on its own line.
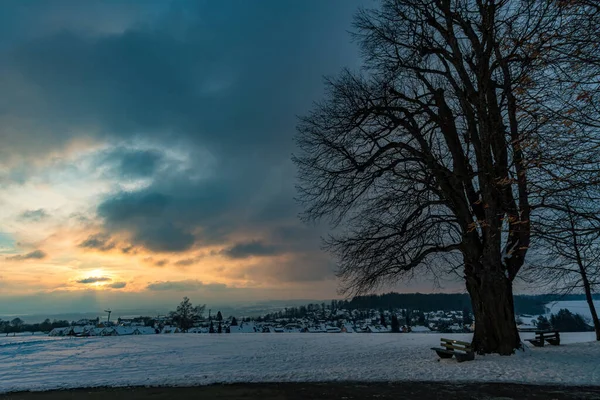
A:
(186, 314)
(566, 194)
(425, 157)
(568, 256)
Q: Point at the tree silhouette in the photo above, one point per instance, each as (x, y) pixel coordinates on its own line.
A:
(462, 124)
(395, 324)
(186, 314)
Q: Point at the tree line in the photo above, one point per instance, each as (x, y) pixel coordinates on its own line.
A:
(17, 325)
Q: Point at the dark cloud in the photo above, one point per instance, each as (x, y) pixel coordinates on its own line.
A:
(117, 285)
(145, 216)
(99, 241)
(185, 262)
(34, 215)
(128, 250)
(185, 285)
(201, 78)
(300, 268)
(94, 279)
(164, 237)
(250, 249)
(130, 206)
(158, 263)
(132, 163)
(34, 255)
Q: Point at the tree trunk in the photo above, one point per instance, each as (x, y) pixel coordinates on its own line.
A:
(584, 278)
(493, 308)
(590, 301)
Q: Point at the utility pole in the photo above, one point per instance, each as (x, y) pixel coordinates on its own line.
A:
(108, 320)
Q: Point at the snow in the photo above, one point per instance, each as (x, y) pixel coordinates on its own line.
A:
(419, 329)
(575, 306)
(42, 363)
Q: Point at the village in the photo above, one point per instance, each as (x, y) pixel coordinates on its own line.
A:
(324, 320)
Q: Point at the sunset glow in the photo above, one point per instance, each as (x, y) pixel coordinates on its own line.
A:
(135, 169)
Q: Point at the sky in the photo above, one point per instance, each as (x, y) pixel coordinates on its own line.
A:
(145, 150)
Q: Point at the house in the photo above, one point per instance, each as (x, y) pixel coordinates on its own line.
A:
(108, 332)
(420, 329)
(170, 329)
(94, 332)
(332, 329)
(59, 331)
(347, 328)
(143, 330)
(124, 330)
(74, 331)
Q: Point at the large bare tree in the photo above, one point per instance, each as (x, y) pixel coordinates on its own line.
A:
(425, 157)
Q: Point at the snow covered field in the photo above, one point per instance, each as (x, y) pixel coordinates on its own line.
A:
(42, 363)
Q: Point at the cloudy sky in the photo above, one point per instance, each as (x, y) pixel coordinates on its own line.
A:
(145, 150)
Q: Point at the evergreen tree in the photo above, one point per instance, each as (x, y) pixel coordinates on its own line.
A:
(565, 321)
(234, 321)
(467, 319)
(220, 328)
(382, 320)
(421, 318)
(395, 324)
(211, 329)
(219, 316)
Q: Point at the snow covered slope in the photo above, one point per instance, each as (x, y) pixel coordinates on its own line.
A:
(34, 363)
(575, 306)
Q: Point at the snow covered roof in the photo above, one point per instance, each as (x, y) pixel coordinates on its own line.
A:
(59, 331)
(124, 330)
(170, 329)
(144, 330)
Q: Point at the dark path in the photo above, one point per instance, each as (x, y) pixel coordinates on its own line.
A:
(345, 391)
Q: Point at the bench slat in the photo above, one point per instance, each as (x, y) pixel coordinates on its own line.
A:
(462, 348)
(450, 347)
(456, 342)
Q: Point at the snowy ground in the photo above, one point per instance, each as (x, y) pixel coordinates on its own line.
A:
(42, 363)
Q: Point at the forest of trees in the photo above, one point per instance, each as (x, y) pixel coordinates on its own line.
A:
(18, 325)
(524, 304)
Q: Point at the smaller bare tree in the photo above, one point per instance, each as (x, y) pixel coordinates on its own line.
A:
(186, 314)
(570, 242)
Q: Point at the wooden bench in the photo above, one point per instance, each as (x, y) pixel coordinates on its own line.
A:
(461, 350)
(552, 337)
